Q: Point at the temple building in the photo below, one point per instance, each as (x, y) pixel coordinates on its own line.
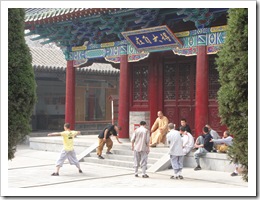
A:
(94, 87)
(166, 58)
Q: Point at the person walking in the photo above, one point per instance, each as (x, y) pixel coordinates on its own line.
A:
(104, 138)
(68, 148)
(140, 145)
(176, 152)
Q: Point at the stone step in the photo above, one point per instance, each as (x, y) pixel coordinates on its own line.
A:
(122, 157)
(108, 161)
(130, 153)
(212, 161)
(56, 145)
(159, 150)
(81, 144)
(82, 141)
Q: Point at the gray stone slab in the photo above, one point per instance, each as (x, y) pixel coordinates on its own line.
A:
(162, 164)
(87, 151)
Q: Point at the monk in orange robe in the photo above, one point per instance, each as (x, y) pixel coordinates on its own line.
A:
(159, 130)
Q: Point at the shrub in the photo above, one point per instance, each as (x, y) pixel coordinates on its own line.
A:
(21, 82)
(232, 65)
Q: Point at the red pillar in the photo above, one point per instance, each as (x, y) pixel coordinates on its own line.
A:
(160, 84)
(123, 115)
(153, 88)
(70, 95)
(201, 106)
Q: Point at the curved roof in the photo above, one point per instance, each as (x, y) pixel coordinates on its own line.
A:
(51, 58)
(48, 57)
(53, 14)
(69, 27)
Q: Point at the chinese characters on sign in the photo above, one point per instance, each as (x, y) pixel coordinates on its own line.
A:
(156, 38)
(152, 38)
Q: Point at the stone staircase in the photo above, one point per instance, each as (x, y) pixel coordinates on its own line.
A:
(122, 156)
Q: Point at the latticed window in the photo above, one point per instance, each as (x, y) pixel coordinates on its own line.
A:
(169, 82)
(140, 84)
(178, 77)
(213, 80)
(184, 81)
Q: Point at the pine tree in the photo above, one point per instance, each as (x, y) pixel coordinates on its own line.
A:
(21, 82)
(232, 65)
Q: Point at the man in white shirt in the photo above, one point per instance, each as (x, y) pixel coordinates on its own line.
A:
(140, 146)
(187, 141)
(223, 144)
(176, 152)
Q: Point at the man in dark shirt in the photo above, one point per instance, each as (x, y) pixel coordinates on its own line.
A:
(204, 148)
(104, 138)
(185, 125)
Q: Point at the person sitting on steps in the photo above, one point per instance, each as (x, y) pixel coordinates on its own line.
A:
(159, 130)
(203, 148)
(223, 144)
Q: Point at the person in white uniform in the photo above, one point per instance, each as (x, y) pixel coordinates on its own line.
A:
(187, 141)
(176, 153)
(140, 145)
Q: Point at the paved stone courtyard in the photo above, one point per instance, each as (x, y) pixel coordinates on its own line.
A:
(31, 169)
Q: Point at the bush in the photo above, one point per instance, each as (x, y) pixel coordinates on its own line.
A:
(232, 65)
(21, 82)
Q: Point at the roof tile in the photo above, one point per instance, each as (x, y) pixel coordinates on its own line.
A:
(52, 57)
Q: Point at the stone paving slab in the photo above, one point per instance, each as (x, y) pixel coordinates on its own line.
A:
(108, 176)
(33, 177)
(31, 169)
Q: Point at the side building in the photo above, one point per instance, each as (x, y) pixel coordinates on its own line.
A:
(95, 85)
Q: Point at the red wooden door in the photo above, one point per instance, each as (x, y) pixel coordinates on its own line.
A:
(179, 91)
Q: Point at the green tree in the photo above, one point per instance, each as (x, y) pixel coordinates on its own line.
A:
(21, 82)
(232, 63)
